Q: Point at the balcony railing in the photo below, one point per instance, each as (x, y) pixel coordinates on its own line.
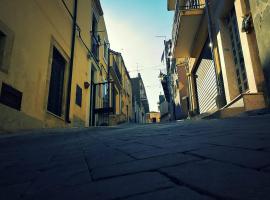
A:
(95, 47)
(192, 4)
(188, 5)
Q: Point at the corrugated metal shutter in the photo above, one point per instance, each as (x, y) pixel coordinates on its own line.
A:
(206, 85)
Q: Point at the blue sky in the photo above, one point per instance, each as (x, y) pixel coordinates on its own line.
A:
(132, 27)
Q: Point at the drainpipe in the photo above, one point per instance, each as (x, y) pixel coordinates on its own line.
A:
(108, 80)
(74, 27)
(189, 85)
(220, 98)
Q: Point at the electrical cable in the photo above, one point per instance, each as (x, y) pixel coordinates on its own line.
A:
(79, 31)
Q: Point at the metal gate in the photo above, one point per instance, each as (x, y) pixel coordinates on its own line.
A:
(206, 81)
(101, 107)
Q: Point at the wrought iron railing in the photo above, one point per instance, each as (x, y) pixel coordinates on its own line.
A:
(192, 4)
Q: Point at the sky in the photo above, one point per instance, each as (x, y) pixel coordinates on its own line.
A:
(133, 27)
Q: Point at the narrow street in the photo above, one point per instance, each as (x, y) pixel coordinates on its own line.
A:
(204, 159)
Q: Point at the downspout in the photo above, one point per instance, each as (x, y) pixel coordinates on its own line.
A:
(74, 27)
(108, 80)
(189, 85)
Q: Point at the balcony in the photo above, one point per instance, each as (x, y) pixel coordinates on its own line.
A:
(187, 20)
(171, 5)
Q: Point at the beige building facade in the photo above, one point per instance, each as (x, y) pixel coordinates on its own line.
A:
(120, 90)
(216, 44)
(51, 55)
(153, 117)
(260, 11)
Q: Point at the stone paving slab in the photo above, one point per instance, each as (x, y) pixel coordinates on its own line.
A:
(120, 187)
(107, 158)
(205, 159)
(60, 176)
(177, 193)
(13, 192)
(234, 141)
(244, 157)
(135, 147)
(141, 165)
(169, 150)
(266, 169)
(222, 180)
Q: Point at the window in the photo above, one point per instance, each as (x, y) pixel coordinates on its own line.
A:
(105, 95)
(56, 89)
(3, 38)
(237, 52)
(95, 38)
(78, 96)
(6, 44)
(11, 97)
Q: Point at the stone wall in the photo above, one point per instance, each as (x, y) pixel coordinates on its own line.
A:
(260, 10)
(11, 120)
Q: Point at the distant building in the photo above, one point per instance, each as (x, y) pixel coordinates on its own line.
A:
(170, 83)
(120, 90)
(139, 100)
(153, 117)
(163, 106)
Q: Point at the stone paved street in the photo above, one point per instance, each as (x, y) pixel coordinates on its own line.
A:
(192, 160)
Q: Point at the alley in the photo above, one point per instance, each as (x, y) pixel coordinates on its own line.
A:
(207, 159)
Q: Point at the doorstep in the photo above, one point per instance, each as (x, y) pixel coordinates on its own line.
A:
(243, 105)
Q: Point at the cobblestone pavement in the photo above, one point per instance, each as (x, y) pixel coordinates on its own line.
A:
(189, 160)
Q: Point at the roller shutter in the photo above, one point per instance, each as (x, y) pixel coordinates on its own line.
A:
(206, 82)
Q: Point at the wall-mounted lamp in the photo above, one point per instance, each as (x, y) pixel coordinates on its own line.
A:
(247, 24)
(86, 85)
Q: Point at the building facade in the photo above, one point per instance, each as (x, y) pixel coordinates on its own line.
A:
(163, 107)
(44, 63)
(139, 100)
(260, 12)
(98, 86)
(219, 56)
(152, 117)
(170, 83)
(120, 90)
(54, 65)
